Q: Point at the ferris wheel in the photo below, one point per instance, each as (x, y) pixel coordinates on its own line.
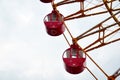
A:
(75, 56)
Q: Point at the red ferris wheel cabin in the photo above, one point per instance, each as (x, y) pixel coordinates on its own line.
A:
(54, 23)
(74, 60)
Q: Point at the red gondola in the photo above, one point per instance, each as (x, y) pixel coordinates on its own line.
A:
(46, 1)
(54, 23)
(74, 60)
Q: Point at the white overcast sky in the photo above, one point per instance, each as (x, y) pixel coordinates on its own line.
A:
(27, 52)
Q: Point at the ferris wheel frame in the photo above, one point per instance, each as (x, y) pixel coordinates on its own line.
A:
(99, 29)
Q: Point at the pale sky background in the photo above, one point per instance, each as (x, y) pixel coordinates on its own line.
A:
(27, 52)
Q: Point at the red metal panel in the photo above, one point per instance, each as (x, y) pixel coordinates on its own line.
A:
(54, 28)
(46, 1)
(74, 65)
